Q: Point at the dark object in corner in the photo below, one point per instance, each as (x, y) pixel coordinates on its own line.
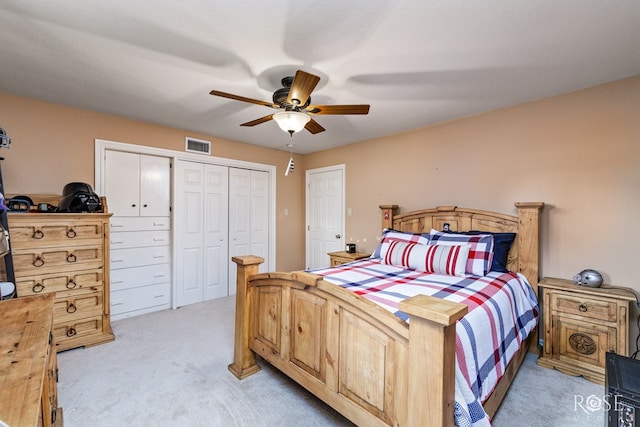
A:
(79, 197)
(19, 204)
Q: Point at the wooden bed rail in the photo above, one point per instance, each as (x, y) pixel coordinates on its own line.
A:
(418, 362)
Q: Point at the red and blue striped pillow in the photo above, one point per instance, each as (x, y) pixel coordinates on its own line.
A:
(440, 259)
(389, 234)
(480, 254)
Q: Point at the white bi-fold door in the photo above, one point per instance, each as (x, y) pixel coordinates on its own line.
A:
(248, 218)
(201, 219)
(220, 212)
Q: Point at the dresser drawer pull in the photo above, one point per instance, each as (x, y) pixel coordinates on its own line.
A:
(113, 304)
(38, 262)
(158, 239)
(158, 224)
(158, 256)
(38, 234)
(71, 332)
(114, 282)
(37, 288)
(582, 308)
(117, 225)
(157, 276)
(71, 308)
(115, 242)
(71, 284)
(71, 233)
(71, 258)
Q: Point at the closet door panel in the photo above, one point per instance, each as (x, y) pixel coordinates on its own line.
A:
(239, 219)
(155, 182)
(189, 223)
(121, 182)
(259, 234)
(216, 231)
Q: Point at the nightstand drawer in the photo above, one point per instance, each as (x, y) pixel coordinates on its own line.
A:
(579, 305)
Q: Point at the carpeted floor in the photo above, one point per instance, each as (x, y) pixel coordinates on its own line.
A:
(170, 368)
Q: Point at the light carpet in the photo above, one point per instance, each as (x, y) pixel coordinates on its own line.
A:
(169, 368)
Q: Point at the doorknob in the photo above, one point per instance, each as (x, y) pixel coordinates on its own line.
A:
(338, 236)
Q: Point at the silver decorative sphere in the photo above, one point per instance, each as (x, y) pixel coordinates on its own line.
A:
(590, 278)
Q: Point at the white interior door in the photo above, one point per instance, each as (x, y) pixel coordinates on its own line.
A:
(325, 214)
(189, 230)
(216, 231)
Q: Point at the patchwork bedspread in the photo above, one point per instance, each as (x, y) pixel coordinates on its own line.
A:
(503, 310)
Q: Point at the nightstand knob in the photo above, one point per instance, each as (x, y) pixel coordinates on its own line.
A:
(582, 308)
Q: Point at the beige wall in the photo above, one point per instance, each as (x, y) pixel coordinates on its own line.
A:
(579, 153)
(54, 144)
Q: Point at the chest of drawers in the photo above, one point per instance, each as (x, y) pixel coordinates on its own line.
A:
(66, 255)
(140, 265)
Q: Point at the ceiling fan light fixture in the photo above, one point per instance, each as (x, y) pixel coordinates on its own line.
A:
(291, 121)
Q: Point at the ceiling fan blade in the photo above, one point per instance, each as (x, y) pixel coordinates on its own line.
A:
(258, 121)
(242, 98)
(338, 109)
(301, 88)
(313, 127)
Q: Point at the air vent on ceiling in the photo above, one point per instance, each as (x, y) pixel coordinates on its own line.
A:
(197, 146)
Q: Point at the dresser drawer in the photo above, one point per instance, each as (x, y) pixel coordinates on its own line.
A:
(76, 330)
(127, 300)
(58, 282)
(135, 257)
(30, 232)
(572, 303)
(30, 262)
(120, 223)
(134, 277)
(74, 305)
(137, 239)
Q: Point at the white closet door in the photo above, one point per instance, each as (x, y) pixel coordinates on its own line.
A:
(189, 225)
(239, 219)
(121, 186)
(155, 180)
(259, 236)
(248, 218)
(216, 231)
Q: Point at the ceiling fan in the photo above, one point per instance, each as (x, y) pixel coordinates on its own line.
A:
(295, 102)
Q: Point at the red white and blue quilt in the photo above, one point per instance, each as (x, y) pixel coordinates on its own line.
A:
(503, 310)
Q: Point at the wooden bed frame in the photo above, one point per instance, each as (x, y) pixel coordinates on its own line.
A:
(360, 359)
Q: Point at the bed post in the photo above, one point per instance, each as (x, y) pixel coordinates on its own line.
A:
(388, 211)
(244, 359)
(528, 237)
(431, 367)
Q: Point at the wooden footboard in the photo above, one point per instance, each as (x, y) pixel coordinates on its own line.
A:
(360, 359)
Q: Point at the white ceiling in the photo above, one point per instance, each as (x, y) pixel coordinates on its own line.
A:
(417, 62)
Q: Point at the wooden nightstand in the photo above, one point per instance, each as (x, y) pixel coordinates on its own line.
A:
(342, 257)
(580, 324)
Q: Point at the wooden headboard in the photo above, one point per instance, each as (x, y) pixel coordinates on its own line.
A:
(524, 256)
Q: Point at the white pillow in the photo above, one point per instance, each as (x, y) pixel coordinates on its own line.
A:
(440, 259)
